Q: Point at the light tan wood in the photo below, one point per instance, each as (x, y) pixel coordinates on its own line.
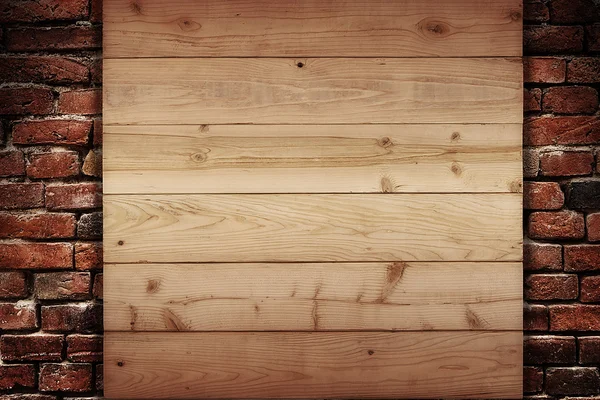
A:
(311, 227)
(375, 28)
(317, 159)
(313, 297)
(376, 365)
(323, 91)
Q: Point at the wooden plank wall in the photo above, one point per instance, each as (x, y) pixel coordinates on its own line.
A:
(313, 199)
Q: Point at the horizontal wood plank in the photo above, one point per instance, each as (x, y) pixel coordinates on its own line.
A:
(313, 365)
(302, 28)
(310, 227)
(313, 297)
(322, 91)
(312, 159)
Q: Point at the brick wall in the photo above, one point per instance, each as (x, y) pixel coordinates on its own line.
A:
(50, 199)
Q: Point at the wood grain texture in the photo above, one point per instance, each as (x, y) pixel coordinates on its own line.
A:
(313, 297)
(324, 91)
(351, 28)
(310, 227)
(312, 159)
(313, 365)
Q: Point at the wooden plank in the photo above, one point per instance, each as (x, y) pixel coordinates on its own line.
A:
(317, 158)
(322, 91)
(313, 365)
(303, 28)
(311, 227)
(313, 297)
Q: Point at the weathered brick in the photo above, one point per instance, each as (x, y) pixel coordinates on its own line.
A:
(90, 226)
(96, 70)
(583, 194)
(541, 131)
(86, 101)
(535, 317)
(86, 318)
(96, 12)
(77, 37)
(88, 256)
(52, 132)
(77, 196)
(572, 380)
(13, 285)
(544, 69)
(579, 258)
(84, 348)
(551, 287)
(531, 163)
(42, 347)
(556, 225)
(12, 163)
(36, 255)
(593, 37)
(574, 317)
(99, 375)
(592, 222)
(98, 286)
(552, 39)
(584, 70)
(570, 100)
(589, 350)
(12, 11)
(27, 396)
(590, 289)
(17, 376)
(66, 377)
(542, 256)
(22, 101)
(535, 11)
(37, 226)
(18, 316)
(62, 164)
(542, 196)
(21, 195)
(43, 69)
(92, 165)
(549, 350)
(566, 163)
(63, 286)
(574, 11)
(533, 379)
(532, 99)
(97, 132)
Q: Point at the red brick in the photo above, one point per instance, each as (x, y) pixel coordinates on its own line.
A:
(85, 318)
(88, 256)
(77, 196)
(13, 285)
(21, 195)
(18, 316)
(96, 71)
(584, 70)
(31, 347)
(590, 289)
(542, 196)
(570, 100)
(551, 287)
(12, 163)
(544, 69)
(533, 379)
(87, 101)
(574, 11)
(84, 348)
(62, 164)
(593, 227)
(36, 255)
(566, 163)
(52, 132)
(556, 225)
(593, 37)
(12, 11)
(99, 377)
(552, 39)
(589, 350)
(43, 69)
(55, 38)
(540, 131)
(23, 101)
(66, 377)
(37, 226)
(579, 258)
(17, 375)
(542, 256)
(532, 99)
(98, 286)
(574, 317)
(572, 380)
(62, 286)
(535, 11)
(549, 350)
(97, 132)
(535, 317)
(96, 12)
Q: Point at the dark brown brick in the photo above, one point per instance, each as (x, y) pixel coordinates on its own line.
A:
(590, 289)
(22, 101)
(551, 287)
(54, 38)
(12, 11)
(589, 350)
(17, 376)
(541, 131)
(535, 317)
(85, 318)
(43, 69)
(63, 286)
(572, 380)
(570, 100)
(97, 132)
(542, 256)
(52, 132)
(13, 285)
(532, 99)
(533, 379)
(548, 39)
(584, 70)
(593, 37)
(42, 347)
(85, 102)
(574, 11)
(37, 226)
(593, 227)
(580, 258)
(535, 11)
(12, 163)
(549, 350)
(98, 286)
(89, 226)
(21, 195)
(66, 377)
(574, 317)
(18, 316)
(84, 348)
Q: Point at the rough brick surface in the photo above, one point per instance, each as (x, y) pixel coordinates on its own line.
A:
(550, 350)
(566, 163)
(551, 287)
(21, 195)
(572, 380)
(13, 284)
(542, 40)
(590, 289)
(556, 225)
(54, 38)
(37, 225)
(584, 194)
(88, 256)
(18, 316)
(84, 318)
(84, 348)
(542, 256)
(77, 196)
(62, 164)
(574, 317)
(44, 69)
(589, 350)
(12, 11)
(570, 100)
(23, 101)
(36, 255)
(593, 227)
(42, 347)
(542, 196)
(17, 376)
(12, 163)
(580, 258)
(66, 377)
(544, 69)
(62, 286)
(535, 317)
(83, 102)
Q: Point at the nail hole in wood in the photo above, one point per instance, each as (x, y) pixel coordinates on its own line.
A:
(300, 64)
